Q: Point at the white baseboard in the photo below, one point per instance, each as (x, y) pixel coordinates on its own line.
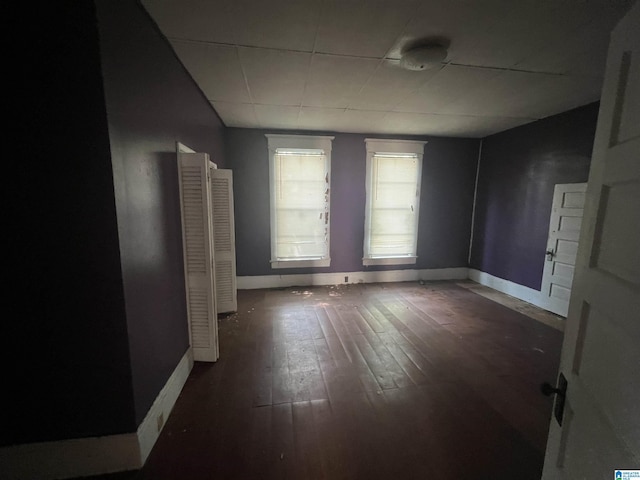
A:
(150, 428)
(295, 280)
(510, 288)
(80, 457)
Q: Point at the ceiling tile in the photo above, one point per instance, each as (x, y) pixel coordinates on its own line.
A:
(236, 114)
(585, 51)
(275, 77)
(203, 20)
(289, 25)
(275, 116)
(581, 44)
(354, 121)
(367, 29)
(319, 118)
(336, 81)
(216, 69)
(446, 87)
(498, 96)
(558, 94)
(413, 123)
(389, 85)
(514, 31)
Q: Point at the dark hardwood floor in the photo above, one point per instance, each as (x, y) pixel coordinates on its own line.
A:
(364, 382)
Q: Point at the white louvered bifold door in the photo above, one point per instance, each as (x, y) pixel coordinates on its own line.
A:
(197, 240)
(224, 240)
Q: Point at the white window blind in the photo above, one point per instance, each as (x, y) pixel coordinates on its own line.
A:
(300, 200)
(394, 168)
(394, 206)
(301, 205)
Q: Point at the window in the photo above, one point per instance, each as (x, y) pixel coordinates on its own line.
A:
(300, 180)
(394, 169)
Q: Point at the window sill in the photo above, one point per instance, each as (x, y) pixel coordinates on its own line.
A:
(405, 260)
(323, 262)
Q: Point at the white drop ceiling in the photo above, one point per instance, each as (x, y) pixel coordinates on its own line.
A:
(333, 64)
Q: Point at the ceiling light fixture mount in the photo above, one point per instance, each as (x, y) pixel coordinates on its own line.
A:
(423, 57)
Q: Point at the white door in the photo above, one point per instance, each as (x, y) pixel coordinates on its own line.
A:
(600, 431)
(562, 245)
(224, 239)
(197, 240)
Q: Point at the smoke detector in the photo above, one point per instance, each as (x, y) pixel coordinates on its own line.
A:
(423, 57)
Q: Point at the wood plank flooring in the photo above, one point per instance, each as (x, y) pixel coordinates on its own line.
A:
(364, 382)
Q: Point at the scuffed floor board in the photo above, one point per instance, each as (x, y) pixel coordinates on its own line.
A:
(543, 316)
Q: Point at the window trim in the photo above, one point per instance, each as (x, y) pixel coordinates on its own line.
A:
(294, 142)
(390, 146)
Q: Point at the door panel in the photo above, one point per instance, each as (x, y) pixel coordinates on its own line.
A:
(601, 353)
(619, 211)
(197, 242)
(224, 239)
(564, 232)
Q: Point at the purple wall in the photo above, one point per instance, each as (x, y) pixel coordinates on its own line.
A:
(151, 103)
(64, 328)
(518, 171)
(449, 168)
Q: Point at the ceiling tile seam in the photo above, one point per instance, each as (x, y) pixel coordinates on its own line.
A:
(511, 117)
(355, 109)
(234, 22)
(363, 57)
(510, 69)
(507, 69)
(384, 57)
(262, 104)
(226, 102)
(313, 52)
(370, 110)
(286, 50)
(467, 115)
(228, 44)
(246, 83)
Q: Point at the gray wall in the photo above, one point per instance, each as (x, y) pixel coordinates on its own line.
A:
(97, 303)
(449, 169)
(518, 171)
(151, 103)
